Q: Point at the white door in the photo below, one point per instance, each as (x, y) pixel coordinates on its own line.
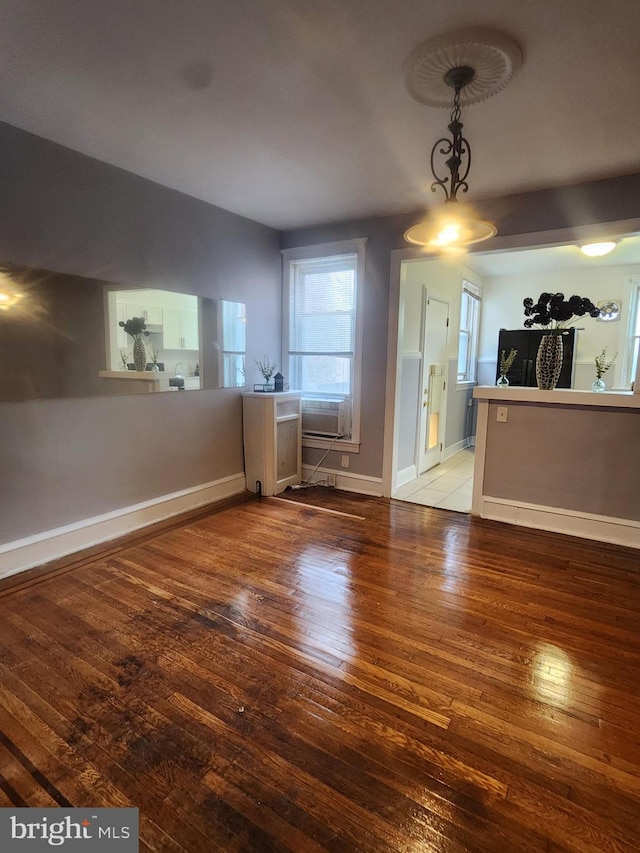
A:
(434, 366)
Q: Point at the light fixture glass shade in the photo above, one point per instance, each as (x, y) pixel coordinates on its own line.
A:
(10, 294)
(597, 250)
(450, 227)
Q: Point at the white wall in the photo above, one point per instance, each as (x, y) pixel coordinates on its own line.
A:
(442, 279)
(502, 309)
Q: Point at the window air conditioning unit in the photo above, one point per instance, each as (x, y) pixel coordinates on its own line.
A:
(328, 418)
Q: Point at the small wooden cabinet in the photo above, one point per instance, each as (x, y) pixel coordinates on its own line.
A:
(272, 434)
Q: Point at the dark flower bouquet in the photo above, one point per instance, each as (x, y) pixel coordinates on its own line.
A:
(136, 327)
(554, 313)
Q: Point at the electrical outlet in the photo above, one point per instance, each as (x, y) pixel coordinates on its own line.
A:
(331, 481)
(502, 415)
(344, 460)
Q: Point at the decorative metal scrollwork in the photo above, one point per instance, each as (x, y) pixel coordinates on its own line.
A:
(457, 149)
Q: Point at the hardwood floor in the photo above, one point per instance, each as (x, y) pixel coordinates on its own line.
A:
(333, 672)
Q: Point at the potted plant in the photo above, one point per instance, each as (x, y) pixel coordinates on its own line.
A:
(553, 313)
(267, 368)
(506, 361)
(602, 365)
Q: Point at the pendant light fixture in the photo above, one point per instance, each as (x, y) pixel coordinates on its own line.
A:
(472, 65)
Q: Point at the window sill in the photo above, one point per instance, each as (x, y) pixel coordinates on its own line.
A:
(464, 386)
(344, 444)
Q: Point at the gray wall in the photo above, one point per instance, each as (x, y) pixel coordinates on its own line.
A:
(62, 461)
(385, 234)
(610, 200)
(65, 460)
(575, 458)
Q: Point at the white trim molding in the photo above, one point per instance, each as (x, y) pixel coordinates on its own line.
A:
(455, 448)
(23, 554)
(406, 475)
(358, 483)
(619, 531)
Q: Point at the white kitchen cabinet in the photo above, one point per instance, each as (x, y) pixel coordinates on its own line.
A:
(272, 434)
(180, 329)
(152, 315)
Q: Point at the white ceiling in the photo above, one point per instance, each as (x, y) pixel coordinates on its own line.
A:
(293, 112)
(552, 259)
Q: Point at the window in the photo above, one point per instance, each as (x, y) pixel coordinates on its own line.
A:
(469, 325)
(321, 323)
(633, 335)
(234, 325)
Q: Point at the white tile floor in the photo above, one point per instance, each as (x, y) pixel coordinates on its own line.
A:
(447, 486)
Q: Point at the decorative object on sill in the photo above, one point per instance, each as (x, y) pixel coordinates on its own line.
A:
(602, 365)
(609, 310)
(278, 382)
(267, 368)
(553, 314)
(124, 358)
(475, 63)
(136, 328)
(506, 361)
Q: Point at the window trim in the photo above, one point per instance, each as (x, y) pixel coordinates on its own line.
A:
(322, 250)
(632, 323)
(475, 291)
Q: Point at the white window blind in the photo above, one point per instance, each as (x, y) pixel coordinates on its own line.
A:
(322, 324)
(469, 325)
(234, 326)
(633, 339)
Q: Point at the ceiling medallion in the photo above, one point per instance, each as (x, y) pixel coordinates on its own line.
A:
(495, 58)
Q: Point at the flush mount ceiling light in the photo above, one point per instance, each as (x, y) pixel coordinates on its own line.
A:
(597, 250)
(475, 64)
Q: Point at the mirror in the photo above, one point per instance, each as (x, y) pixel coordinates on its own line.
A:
(63, 336)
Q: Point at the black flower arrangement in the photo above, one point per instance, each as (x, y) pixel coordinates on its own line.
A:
(136, 327)
(553, 312)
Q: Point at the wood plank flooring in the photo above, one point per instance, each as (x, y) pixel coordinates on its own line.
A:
(329, 672)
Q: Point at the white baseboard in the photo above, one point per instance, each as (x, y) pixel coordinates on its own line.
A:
(472, 441)
(348, 482)
(406, 475)
(619, 531)
(43, 547)
(455, 448)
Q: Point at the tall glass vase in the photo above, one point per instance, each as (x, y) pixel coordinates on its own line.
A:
(139, 354)
(549, 362)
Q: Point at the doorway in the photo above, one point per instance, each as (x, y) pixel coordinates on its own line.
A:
(430, 415)
(435, 325)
